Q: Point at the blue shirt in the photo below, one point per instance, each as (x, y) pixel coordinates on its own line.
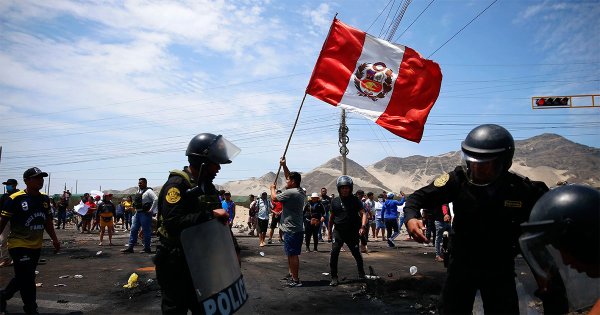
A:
(390, 208)
(228, 206)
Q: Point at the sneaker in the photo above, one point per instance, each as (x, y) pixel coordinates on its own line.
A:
(294, 283)
(146, 251)
(439, 259)
(127, 250)
(361, 275)
(270, 242)
(391, 244)
(307, 250)
(334, 282)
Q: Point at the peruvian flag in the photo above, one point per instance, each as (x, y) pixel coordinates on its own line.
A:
(391, 84)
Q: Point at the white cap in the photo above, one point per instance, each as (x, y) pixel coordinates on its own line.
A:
(314, 195)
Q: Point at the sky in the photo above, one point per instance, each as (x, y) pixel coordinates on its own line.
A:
(100, 93)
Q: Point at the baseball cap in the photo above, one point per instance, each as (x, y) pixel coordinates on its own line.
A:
(10, 181)
(34, 172)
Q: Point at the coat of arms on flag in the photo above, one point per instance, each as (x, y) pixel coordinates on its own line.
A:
(390, 84)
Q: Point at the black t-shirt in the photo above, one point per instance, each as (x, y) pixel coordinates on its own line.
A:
(346, 213)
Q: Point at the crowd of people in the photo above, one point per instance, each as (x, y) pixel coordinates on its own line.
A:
(477, 204)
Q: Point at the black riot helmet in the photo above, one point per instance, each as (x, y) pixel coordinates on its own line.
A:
(561, 242)
(487, 153)
(209, 147)
(344, 180)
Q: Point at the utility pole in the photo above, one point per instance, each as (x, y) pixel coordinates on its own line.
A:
(76, 186)
(344, 139)
(48, 192)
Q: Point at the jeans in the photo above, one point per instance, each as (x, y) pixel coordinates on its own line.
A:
(143, 220)
(440, 227)
(127, 217)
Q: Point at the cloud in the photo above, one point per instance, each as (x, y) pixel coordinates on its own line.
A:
(318, 19)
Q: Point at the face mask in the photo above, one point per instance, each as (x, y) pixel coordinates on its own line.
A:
(10, 188)
(380, 199)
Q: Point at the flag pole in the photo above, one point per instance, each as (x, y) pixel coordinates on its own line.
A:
(302, 103)
(290, 137)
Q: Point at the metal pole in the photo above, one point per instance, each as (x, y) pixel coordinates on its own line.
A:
(48, 188)
(290, 138)
(343, 140)
(76, 186)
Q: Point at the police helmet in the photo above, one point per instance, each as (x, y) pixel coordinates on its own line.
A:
(487, 153)
(209, 147)
(344, 180)
(561, 240)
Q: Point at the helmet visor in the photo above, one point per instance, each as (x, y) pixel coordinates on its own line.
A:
(556, 272)
(222, 151)
(482, 170)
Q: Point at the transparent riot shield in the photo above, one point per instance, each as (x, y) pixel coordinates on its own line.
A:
(214, 267)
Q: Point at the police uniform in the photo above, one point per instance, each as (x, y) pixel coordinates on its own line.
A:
(27, 215)
(179, 209)
(484, 236)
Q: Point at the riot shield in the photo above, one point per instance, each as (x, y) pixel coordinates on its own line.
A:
(214, 267)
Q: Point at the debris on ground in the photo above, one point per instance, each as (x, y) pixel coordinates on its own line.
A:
(132, 282)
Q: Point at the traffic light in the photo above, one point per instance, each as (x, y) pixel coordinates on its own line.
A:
(552, 101)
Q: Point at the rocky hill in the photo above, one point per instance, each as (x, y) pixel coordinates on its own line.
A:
(547, 157)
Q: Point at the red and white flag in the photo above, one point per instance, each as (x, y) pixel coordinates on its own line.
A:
(391, 84)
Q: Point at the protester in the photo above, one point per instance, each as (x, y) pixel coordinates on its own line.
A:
(379, 224)
(370, 210)
(442, 224)
(326, 201)
(96, 222)
(489, 204)
(129, 209)
(187, 199)
(314, 216)
(264, 209)
(229, 206)
(350, 221)
(390, 217)
(106, 213)
(120, 215)
(252, 212)
(145, 204)
(29, 214)
(80, 225)
(87, 217)
(293, 199)
(11, 187)
(62, 212)
(364, 239)
(276, 209)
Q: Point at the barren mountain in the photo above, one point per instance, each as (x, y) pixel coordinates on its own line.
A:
(548, 157)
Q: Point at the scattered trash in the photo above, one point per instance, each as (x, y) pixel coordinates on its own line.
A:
(37, 272)
(413, 270)
(326, 273)
(371, 277)
(147, 269)
(262, 254)
(39, 284)
(418, 306)
(149, 281)
(77, 276)
(132, 282)
(424, 253)
(63, 277)
(42, 261)
(98, 253)
(60, 285)
(62, 301)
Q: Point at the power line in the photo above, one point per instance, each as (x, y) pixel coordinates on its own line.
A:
(413, 22)
(480, 13)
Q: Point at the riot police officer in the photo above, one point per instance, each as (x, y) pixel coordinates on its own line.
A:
(188, 198)
(490, 203)
(561, 244)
